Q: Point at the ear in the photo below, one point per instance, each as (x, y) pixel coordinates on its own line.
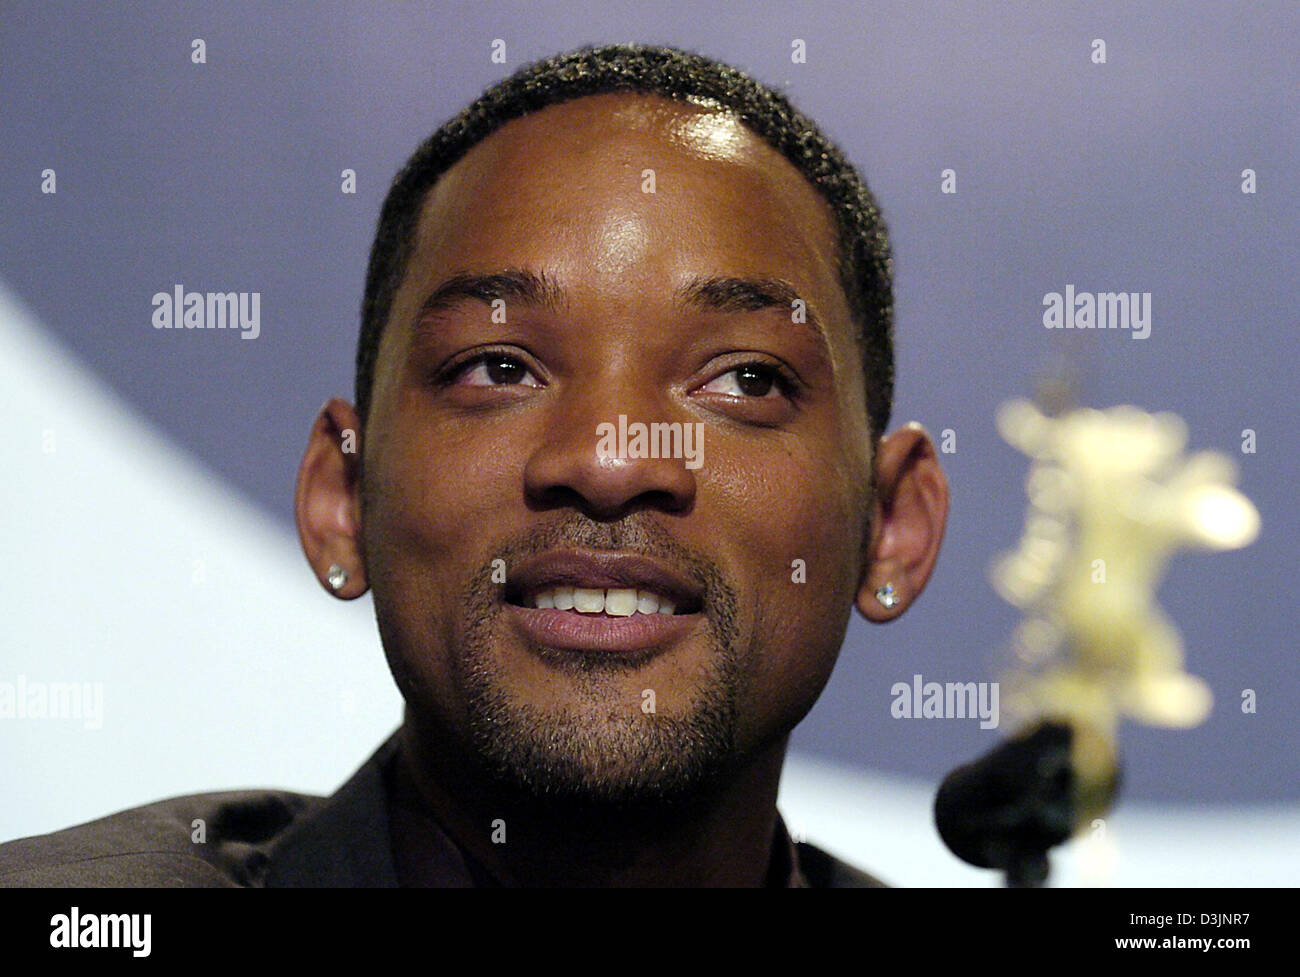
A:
(327, 500)
(908, 518)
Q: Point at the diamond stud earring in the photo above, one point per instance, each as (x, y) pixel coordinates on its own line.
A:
(337, 577)
(887, 596)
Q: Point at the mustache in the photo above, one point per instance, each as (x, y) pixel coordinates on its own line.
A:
(638, 534)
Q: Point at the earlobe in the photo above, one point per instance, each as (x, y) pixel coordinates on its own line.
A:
(337, 577)
(326, 501)
(883, 601)
(911, 509)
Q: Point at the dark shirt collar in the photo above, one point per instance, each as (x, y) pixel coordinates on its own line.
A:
(426, 857)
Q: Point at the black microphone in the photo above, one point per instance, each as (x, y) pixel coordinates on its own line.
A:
(1007, 809)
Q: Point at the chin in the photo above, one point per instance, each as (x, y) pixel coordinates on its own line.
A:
(590, 757)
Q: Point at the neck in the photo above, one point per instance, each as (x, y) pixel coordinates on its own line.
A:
(722, 836)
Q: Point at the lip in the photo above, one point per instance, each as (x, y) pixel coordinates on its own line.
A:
(602, 570)
(602, 633)
(569, 630)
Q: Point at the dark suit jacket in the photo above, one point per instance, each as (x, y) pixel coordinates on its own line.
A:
(271, 839)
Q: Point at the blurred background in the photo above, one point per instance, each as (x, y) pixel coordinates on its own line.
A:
(146, 476)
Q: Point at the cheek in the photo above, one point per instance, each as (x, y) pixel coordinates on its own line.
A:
(436, 489)
(798, 517)
(798, 522)
(435, 504)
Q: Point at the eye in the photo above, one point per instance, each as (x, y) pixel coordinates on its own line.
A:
(751, 381)
(492, 370)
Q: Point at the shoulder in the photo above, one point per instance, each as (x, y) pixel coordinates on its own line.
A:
(198, 840)
(823, 870)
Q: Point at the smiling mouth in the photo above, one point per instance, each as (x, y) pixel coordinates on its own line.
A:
(602, 601)
(613, 605)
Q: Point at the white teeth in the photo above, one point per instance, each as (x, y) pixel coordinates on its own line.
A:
(587, 601)
(615, 601)
(620, 603)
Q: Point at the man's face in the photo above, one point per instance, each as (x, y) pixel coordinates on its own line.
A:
(484, 444)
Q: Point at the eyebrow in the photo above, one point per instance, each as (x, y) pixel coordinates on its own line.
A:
(726, 294)
(731, 294)
(512, 285)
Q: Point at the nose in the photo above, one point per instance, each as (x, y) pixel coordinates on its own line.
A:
(591, 459)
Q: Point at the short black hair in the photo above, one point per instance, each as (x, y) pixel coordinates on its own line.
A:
(865, 264)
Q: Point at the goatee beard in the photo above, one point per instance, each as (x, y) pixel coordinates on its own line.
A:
(596, 750)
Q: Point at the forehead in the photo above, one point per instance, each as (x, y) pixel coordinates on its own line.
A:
(623, 186)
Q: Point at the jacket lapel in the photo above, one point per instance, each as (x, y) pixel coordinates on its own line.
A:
(343, 843)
